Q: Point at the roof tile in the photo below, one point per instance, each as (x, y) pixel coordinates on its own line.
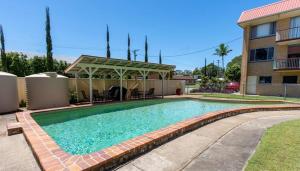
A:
(270, 9)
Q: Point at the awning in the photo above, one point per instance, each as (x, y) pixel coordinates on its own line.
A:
(116, 68)
(102, 65)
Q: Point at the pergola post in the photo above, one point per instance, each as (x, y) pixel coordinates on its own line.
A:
(76, 87)
(91, 84)
(91, 64)
(121, 73)
(163, 75)
(104, 82)
(121, 84)
(144, 74)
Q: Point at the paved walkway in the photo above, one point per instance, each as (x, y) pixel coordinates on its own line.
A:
(224, 145)
(15, 153)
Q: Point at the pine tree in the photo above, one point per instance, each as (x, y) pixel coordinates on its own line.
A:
(128, 51)
(49, 42)
(107, 43)
(146, 50)
(2, 50)
(160, 60)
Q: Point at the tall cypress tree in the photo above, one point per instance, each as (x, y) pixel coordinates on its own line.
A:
(146, 50)
(49, 42)
(160, 60)
(2, 50)
(128, 51)
(205, 67)
(107, 43)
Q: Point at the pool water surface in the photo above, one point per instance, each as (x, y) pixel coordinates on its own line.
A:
(90, 129)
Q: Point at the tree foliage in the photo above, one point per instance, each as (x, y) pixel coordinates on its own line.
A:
(235, 60)
(222, 51)
(49, 42)
(233, 71)
(146, 50)
(197, 71)
(211, 70)
(160, 60)
(107, 43)
(2, 50)
(20, 65)
(128, 51)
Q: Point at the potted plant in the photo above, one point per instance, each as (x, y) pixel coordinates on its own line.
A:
(178, 89)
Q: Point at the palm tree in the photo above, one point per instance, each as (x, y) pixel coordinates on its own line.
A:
(222, 51)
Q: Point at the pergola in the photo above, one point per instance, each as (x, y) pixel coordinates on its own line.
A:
(116, 68)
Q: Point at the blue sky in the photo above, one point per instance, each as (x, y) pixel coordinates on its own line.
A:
(175, 27)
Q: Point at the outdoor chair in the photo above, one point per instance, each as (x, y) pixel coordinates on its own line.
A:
(150, 93)
(85, 98)
(106, 95)
(97, 96)
(135, 94)
(116, 94)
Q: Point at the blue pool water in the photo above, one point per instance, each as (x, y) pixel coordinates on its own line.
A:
(86, 130)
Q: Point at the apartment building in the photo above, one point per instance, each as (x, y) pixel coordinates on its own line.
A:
(271, 49)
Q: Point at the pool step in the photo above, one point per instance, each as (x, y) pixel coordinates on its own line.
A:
(14, 128)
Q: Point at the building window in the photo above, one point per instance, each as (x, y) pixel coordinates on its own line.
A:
(265, 80)
(263, 30)
(294, 25)
(262, 54)
(290, 80)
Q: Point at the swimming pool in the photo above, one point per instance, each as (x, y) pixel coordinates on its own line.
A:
(90, 129)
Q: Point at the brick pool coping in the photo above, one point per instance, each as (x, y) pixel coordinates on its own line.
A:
(51, 157)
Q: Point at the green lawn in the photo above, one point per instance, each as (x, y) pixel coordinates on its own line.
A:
(247, 97)
(279, 149)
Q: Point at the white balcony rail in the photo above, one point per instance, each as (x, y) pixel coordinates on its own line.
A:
(288, 34)
(289, 63)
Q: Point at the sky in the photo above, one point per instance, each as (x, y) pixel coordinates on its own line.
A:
(176, 27)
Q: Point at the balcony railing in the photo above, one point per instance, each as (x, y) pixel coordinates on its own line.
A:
(287, 64)
(288, 34)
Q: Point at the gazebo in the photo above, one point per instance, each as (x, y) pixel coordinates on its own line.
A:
(116, 69)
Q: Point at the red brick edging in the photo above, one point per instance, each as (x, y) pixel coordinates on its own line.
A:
(51, 157)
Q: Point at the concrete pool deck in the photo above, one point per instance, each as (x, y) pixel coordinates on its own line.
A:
(223, 145)
(226, 144)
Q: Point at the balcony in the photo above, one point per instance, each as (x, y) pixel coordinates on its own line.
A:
(287, 64)
(288, 36)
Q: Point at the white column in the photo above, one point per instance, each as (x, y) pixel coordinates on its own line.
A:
(91, 85)
(104, 81)
(76, 87)
(121, 84)
(163, 75)
(144, 77)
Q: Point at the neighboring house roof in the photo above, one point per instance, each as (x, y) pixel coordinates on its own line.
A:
(270, 9)
(183, 77)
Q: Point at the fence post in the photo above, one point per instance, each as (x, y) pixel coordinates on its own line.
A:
(285, 86)
(244, 90)
(187, 89)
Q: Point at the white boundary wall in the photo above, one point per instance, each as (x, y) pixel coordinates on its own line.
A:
(170, 86)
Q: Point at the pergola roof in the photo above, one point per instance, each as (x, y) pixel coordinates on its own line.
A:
(102, 65)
